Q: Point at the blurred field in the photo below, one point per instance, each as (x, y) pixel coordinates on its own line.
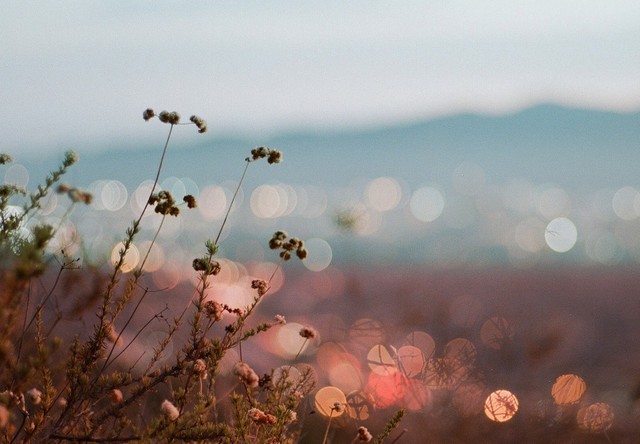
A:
(569, 320)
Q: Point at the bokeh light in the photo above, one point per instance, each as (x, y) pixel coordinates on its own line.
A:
(411, 360)
(596, 418)
(212, 202)
(359, 405)
(326, 399)
(501, 405)
(561, 234)
(568, 389)
(320, 254)
(426, 204)
(17, 175)
(496, 332)
(131, 258)
(289, 342)
(383, 194)
(381, 360)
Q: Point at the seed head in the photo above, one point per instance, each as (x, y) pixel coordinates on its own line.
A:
(169, 410)
(35, 396)
(174, 118)
(246, 374)
(200, 123)
(308, 332)
(213, 310)
(274, 157)
(148, 114)
(164, 116)
(190, 200)
(364, 435)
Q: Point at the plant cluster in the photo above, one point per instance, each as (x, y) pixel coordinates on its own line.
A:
(80, 388)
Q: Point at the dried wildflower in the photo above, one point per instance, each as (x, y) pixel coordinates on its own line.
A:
(260, 285)
(246, 374)
(148, 114)
(270, 419)
(169, 410)
(63, 188)
(290, 416)
(279, 319)
(255, 414)
(206, 265)
(308, 332)
(200, 123)
(260, 417)
(116, 396)
(200, 368)
(364, 435)
(79, 196)
(279, 241)
(274, 157)
(338, 407)
(174, 118)
(260, 152)
(35, 396)
(164, 116)
(190, 201)
(165, 203)
(213, 310)
(5, 158)
(75, 194)
(4, 417)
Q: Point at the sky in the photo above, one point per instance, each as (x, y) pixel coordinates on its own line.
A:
(80, 73)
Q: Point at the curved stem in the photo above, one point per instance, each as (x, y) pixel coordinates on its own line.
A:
(153, 241)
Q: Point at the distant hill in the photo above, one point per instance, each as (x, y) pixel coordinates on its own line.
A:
(574, 148)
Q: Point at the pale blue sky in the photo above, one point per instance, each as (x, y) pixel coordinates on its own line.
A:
(77, 72)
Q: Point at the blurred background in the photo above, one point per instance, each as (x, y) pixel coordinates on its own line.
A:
(460, 171)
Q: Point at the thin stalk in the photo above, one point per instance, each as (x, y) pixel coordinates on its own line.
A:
(326, 432)
(235, 194)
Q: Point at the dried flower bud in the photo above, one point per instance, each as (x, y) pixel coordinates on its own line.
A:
(169, 410)
(255, 414)
(5, 158)
(261, 286)
(174, 118)
(200, 368)
(274, 157)
(338, 407)
(279, 319)
(301, 253)
(35, 396)
(63, 188)
(116, 396)
(213, 310)
(308, 332)
(200, 123)
(290, 416)
(246, 374)
(206, 266)
(364, 435)
(164, 116)
(190, 200)
(148, 114)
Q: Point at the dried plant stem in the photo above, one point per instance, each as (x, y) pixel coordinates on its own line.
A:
(233, 199)
(326, 431)
(399, 436)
